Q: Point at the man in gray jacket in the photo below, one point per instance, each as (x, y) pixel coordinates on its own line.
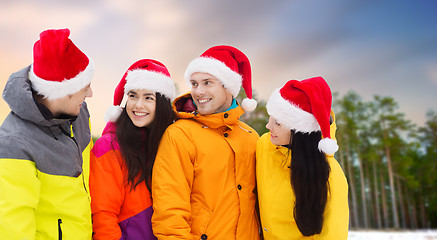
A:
(44, 144)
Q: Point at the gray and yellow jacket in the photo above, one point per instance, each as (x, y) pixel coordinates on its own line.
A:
(44, 163)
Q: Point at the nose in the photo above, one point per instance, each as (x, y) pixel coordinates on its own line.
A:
(139, 103)
(89, 92)
(268, 125)
(199, 90)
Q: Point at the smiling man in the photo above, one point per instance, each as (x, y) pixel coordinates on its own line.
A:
(203, 179)
(45, 144)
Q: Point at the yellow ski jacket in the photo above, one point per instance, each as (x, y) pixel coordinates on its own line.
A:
(276, 197)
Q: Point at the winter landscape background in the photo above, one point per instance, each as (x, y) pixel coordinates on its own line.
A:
(379, 57)
(390, 235)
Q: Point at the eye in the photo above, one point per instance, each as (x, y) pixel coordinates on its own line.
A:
(150, 98)
(208, 82)
(132, 95)
(277, 123)
(194, 84)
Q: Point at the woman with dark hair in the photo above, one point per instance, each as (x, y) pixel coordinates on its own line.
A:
(122, 159)
(302, 190)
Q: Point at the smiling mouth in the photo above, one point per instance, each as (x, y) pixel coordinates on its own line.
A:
(140, 114)
(204, 100)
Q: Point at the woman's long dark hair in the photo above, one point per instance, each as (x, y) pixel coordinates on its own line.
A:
(139, 146)
(309, 180)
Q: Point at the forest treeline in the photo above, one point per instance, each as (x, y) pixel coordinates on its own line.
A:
(390, 163)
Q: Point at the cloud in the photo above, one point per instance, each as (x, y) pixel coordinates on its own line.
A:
(19, 15)
(431, 72)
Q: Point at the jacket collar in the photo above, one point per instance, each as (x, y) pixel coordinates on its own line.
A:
(185, 109)
(283, 152)
(47, 114)
(19, 95)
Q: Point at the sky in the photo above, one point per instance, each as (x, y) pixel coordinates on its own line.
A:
(386, 48)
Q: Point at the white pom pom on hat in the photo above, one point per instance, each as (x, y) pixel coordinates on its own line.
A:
(328, 146)
(248, 104)
(113, 113)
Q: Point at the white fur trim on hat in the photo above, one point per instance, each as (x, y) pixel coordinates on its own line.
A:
(113, 113)
(231, 80)
(248, 104)
(150, 80)
(53, 90)
(291, 116)
(328, 146)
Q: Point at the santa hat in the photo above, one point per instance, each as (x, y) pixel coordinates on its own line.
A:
(305, 106)
(144, 74)
(59, 68)
(230, 66)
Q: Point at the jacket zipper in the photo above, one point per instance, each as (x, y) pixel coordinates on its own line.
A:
(68, 135)
(78, 149)
(249, 131)
(59, 229)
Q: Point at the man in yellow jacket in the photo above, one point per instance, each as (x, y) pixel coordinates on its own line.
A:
(203, 178)
(45, 143)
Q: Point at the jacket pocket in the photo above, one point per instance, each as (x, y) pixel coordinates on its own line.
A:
(59, 229)
(200, 221)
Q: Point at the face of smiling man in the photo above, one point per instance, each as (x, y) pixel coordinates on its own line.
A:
(141, 106)
(67, 105)
(208, 94)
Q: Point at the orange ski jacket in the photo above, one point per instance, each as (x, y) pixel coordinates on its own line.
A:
(203, 179)
(118, 212)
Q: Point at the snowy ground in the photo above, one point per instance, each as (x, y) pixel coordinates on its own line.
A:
(392, 235)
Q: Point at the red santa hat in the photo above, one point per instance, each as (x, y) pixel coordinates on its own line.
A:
(59, 68)
(230, 66)
(305, 106)
(146, 74)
